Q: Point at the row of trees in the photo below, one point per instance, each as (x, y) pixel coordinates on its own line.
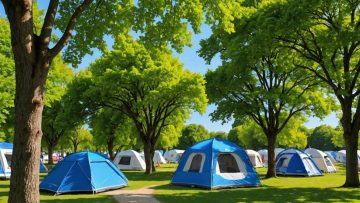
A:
(276, 67)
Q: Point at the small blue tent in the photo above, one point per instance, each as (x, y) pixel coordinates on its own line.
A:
(5, 159)
(43, 168)
(83, 172)
(296, 163)
(215, 163)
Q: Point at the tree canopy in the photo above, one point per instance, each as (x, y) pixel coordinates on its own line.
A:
(192, 134)
(147, 85)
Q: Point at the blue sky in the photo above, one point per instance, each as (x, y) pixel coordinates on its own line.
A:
(196, 64)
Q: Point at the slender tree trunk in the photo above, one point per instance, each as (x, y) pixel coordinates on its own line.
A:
(148, 158)
(271, 171)
(351, 145)
(50, 152)
(152, 152)
(75, 147)
(351, 135)
(110, 146)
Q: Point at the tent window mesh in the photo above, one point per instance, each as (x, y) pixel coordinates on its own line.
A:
(228, 164)
(195, 163)
(8, 159)
(125, 160)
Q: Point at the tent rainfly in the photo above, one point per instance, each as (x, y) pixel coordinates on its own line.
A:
(129, 160)
(255, 158)
(321, 159)
(215, 163)
(83, 172)
(295, 162)
(158, 158)
(331, 155)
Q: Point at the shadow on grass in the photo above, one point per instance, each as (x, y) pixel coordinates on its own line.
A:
(102, 199)
(140, 176)
(175, 194)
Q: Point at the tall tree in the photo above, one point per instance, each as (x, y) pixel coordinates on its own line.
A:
(113, 129)
(149, 86)
(33, 56)
(192, 134)
(326, 39)
(321, 137)
(259, 85)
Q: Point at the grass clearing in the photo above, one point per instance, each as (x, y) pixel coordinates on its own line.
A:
(282, 189)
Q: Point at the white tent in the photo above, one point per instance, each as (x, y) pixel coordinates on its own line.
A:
(158, 158)
(173, 155)
(322, 160)
(341, 156)
(5, 163)
(255, 158)
(129, 160)
(264, 154)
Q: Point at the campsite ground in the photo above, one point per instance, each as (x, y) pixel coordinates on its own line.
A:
(281, 189)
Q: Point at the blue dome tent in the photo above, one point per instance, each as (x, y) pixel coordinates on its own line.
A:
(213, 164)
(5, 159)
(294, 162)
(83, 172)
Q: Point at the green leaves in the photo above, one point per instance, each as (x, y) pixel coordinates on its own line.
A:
(158, 23)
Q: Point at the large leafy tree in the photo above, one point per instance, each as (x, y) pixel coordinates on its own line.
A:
(258, 84)
(326, 40)
(192, 134)
(322, 136)
(149, 86)
(113, 129)
(159, 22)
(251, 136)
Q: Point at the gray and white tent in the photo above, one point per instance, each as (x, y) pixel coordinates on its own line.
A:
(322, 160)
(264, 154)
(129, 160)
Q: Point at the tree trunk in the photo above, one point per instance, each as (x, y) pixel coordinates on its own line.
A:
(148, 158)
(271, 171)
(110, 146)
(75, 147)
(50, 152)
(31, 70)
(152, 152)
(351, 145)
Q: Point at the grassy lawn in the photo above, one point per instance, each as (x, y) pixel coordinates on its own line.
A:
(281, 189)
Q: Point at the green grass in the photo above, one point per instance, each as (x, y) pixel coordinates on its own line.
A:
(50, 198)
(282, 189)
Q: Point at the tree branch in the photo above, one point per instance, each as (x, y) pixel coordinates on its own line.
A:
(69, 28)
(45, 35)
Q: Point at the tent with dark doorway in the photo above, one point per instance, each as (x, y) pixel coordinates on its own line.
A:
(83, 172)
(129, 160)
(215, 163)
(294, 162)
